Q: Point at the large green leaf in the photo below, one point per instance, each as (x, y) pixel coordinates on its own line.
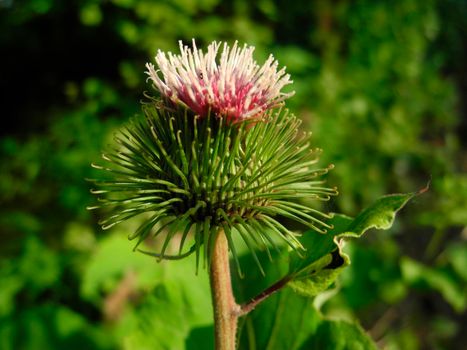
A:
(324, 259)
(168, 306)
(289, 321)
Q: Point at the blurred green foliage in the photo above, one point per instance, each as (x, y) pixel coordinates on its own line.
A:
(380, 83)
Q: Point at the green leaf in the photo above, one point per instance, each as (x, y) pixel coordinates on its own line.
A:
(168, 317)
(103, 272)
(289, 321)
(457, 255)
(169, 306)
(339, 335)
(281, 322)
(381, 214)
(439, 279)
(324, 259)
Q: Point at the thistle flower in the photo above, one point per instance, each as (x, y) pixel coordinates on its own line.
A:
(194, 173)
(236, 87)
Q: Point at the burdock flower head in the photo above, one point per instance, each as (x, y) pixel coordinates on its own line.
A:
(215, 152)
(232, 87)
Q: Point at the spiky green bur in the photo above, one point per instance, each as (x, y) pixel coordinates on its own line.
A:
(196, 176)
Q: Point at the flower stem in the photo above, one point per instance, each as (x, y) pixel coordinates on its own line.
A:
(226, 310)
(248, 307)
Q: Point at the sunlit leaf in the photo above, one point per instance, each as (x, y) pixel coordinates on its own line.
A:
(152, 305)
(324, 258)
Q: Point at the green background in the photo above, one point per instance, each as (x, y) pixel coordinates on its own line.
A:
(381, 84)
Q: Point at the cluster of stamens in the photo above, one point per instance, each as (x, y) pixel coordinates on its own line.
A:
(233, 86)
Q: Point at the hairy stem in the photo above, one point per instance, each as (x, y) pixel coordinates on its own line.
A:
(247, 307)
(226, 310)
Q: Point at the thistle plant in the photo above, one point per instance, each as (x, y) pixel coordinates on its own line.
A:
(215, 152)
(215, 159)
